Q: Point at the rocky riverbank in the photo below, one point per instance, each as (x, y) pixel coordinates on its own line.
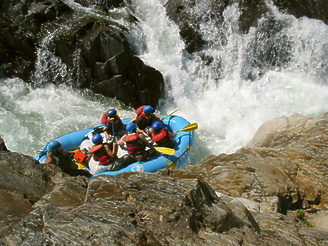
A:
(272, 192)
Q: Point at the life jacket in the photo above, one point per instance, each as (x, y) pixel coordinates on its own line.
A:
(103, 118)
(118, 125)
(139, 110)
(101, 154)
(162, 138)
(134, 146)
(105, 159)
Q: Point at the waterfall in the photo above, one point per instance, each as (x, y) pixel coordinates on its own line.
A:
(50, 68)
(248, 79)
(252, 78)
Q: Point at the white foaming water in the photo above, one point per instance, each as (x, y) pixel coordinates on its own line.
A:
(230, 98)
(230, 106)
(29, 118)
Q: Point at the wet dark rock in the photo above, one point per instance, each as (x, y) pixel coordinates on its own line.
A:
(314, 9)
(3, 146)
(105, 5)
(184, 15)
(269, 50)
(251, 12)
(88, 49)
(92, 50)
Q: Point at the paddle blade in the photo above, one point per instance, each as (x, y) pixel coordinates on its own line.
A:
(95, 148)
(164, 150)
(191, 127)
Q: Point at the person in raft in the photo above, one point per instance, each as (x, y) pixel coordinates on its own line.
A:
(136, 144)
(161, 136)
(106, 154)
(114, 125)
(145, 118)
(57, 156)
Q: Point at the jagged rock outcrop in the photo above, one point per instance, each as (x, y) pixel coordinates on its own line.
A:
(314, 9)
(279, 168)
(271, 192)
(53, 42)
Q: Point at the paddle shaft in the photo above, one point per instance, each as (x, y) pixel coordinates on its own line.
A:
(171, 113)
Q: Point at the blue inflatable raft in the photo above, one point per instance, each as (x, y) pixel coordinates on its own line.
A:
(183, 145)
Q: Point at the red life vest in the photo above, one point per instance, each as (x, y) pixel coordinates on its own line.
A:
(133, 145)
(103, 118)
(162, 138)
(139, 110)
(103, 158)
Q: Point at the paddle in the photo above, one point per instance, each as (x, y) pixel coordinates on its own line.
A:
(190, 127)
(164, 150)
(171, 113)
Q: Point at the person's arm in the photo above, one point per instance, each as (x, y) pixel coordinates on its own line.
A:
(142, 137)
(111, 151)
(49, 159)
(173, 134)
(120, 141)
(158, 117)
(108, 137)
(139, 122)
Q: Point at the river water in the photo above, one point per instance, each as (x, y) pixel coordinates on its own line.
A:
(229, 99)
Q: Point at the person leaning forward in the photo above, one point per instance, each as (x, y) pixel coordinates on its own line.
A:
(106, 155)
(136, 144)
(161, 136)
(114, 125)
(57, 156)
(146, 118)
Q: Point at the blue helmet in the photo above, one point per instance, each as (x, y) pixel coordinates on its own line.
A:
(148, 109)
(157, 125)
(97, 139)
(111, 113)
(53, 145)
(131, 127)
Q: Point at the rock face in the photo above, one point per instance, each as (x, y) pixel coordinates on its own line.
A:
(184, 15)
(53, 42)
(193, 19)
(57, 41)
(314, 9)
(278, 169)
(272, 192)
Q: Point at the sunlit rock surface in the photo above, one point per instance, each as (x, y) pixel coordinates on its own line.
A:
(272, 192)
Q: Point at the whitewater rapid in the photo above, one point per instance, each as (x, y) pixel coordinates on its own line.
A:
(228, 108)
